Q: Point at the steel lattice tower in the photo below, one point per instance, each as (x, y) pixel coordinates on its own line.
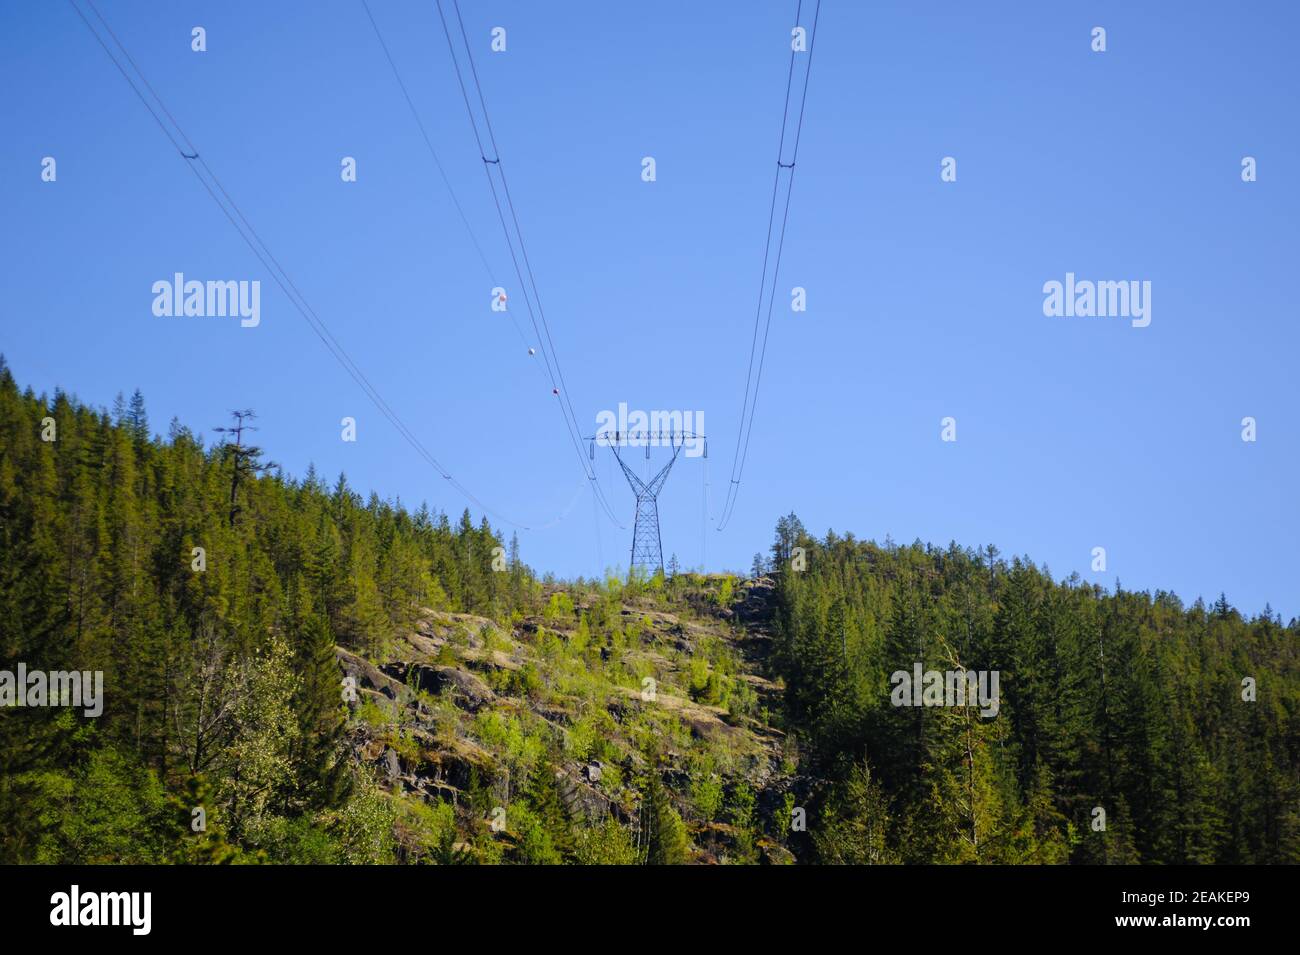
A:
(647, 547)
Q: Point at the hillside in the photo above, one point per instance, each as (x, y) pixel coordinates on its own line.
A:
(292, 673)
(487, 718)
(461, 714)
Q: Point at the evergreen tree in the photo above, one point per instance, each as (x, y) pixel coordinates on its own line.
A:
(137, 421)
(856, 824)
(321, 767)
(663, 834)
(542, 796)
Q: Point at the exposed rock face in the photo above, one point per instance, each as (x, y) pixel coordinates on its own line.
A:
(757, 603)
(507, 692)
(582, 799)
(453, 764)
(367, 675)
(468, 691)
(391, 763)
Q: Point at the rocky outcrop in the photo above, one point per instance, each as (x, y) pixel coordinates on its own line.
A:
(367, 675)
(514, 702)
(757, 603)
(582, 799)
(468, 691)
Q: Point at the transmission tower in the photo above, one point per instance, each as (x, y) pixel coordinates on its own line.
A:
(647, 546)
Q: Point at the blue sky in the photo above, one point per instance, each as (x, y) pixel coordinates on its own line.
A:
(924, 297)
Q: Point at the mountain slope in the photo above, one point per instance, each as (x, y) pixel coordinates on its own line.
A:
(603, 688)
(294, 673)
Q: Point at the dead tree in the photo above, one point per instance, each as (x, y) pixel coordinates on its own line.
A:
(245, 457)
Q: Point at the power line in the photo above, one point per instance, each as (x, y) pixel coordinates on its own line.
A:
(549, 354)
(264, 255)
(704, 518)
(442, 172)
(600, 552)
(749, 405)
(429, 144)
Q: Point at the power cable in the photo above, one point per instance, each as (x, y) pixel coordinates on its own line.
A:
(546, 342)
(749, 406)
(267, 258)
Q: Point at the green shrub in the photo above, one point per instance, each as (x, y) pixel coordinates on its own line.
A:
(606, 844)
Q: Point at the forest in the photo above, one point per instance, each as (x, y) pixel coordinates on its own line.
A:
(211, 591)
(1124, 702)
(228, 606)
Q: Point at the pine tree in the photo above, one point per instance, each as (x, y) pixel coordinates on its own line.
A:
(543, 797)
(662, 833)
(198, 837)
(137, 421)
(856, 823)
(321, 768)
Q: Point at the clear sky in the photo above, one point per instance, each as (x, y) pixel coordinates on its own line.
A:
(925, 298)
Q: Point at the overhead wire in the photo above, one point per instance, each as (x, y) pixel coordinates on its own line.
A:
(529, 290)
(264, 255)
(442, 172)
(754, 374)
